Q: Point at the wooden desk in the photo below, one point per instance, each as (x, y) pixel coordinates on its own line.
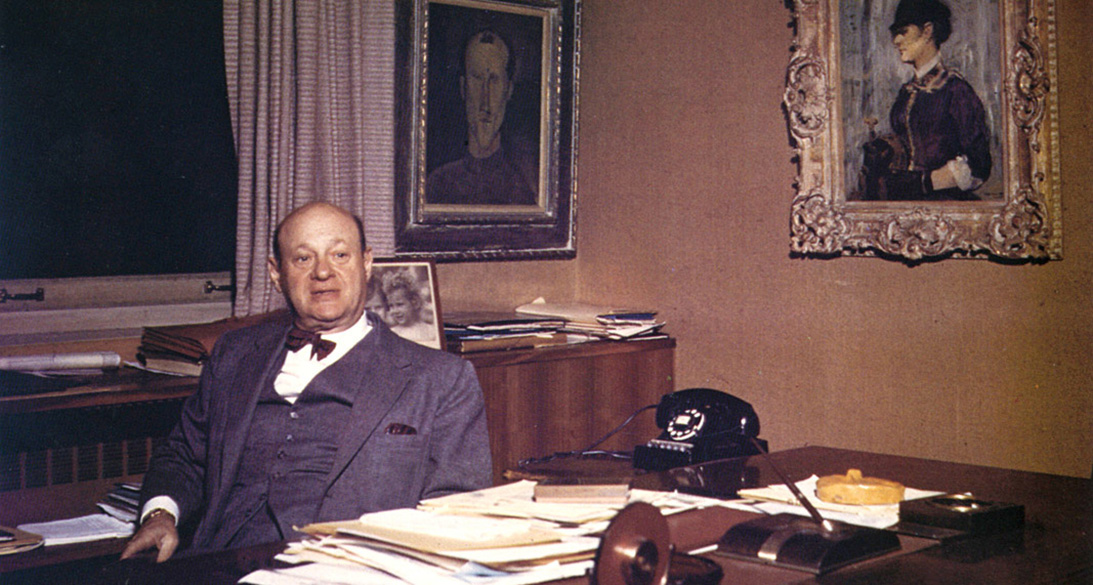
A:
(1055, 547)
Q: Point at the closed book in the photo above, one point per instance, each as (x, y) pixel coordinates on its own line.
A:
(582, 490)
(177, 367)
(466, 345)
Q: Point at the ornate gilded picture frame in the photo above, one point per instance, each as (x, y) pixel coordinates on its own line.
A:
(487, 129)
(865, 185)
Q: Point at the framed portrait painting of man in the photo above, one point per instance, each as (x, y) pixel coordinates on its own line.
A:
(924, 129)
(487, 130)
(405, 295)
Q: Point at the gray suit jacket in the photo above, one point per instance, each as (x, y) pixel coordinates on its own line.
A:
(434, 392)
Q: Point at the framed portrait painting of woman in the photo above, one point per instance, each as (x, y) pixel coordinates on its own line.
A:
(924, 129)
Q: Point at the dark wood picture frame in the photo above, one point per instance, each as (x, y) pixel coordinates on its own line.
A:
(414, 313)
(1019, 219)
(538, 134)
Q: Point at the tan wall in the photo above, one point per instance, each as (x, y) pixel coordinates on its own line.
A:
(686, 180)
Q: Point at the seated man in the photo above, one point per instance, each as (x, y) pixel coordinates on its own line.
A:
(289, 428)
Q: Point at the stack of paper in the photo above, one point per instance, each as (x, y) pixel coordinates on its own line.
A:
(122, 502)
(596, 320)
(484, 331)
(81, 529)
(495, 536)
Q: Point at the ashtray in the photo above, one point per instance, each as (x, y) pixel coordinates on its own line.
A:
(963, 513)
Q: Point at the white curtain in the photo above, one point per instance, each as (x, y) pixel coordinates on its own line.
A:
(311, 88)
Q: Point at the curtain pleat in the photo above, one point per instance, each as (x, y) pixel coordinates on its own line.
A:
(311, 87)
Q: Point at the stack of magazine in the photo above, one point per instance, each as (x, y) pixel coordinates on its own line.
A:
(598, 321)
(486, 331)
(122, 502)
(540, 323)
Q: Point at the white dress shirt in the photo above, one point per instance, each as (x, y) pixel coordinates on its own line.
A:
(300, 367)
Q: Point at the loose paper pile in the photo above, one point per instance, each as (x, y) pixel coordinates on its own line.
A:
(596, 320)
(495, 536)
(81, 529)
(122, 502)
(471, 331)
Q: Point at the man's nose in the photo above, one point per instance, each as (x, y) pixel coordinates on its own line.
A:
(322, 269)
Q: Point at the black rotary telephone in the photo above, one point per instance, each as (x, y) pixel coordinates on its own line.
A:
(700, 424)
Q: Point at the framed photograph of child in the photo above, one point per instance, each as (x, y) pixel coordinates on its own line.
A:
(405, 295)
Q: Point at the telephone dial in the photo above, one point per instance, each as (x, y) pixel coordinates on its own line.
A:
(700, 424)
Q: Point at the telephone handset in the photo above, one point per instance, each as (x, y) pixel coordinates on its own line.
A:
(700, 424)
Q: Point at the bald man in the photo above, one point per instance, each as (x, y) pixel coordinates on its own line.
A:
(321, 417)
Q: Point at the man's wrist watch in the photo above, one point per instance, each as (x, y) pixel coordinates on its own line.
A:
(156, 513)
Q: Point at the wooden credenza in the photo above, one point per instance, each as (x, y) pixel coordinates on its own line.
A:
(560, 399)
(60, 452)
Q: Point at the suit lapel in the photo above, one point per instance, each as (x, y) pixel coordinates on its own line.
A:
(379, 374)
(263, 360)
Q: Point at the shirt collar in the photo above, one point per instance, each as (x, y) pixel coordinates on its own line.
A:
(351, 336)
(345, 340)
(928, 67)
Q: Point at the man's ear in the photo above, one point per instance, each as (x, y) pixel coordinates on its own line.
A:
(928, 30)
(275, 273)
(366, 256)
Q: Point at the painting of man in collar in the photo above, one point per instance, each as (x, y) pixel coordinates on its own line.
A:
(484, 108)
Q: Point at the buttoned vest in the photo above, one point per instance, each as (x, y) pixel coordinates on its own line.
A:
(287, 459)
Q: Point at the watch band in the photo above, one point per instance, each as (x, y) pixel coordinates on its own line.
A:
(155, 513)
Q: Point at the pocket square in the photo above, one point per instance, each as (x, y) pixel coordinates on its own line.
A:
(400, 429)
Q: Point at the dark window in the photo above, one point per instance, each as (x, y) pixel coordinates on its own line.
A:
(116, 154)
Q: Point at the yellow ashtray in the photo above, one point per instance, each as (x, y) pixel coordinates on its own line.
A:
(854, 489)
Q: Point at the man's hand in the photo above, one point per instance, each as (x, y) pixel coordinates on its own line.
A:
(157, 531)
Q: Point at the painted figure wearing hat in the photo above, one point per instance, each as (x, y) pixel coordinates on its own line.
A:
(940, 146)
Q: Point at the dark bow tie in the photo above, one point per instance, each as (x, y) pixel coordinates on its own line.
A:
(298, 338)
